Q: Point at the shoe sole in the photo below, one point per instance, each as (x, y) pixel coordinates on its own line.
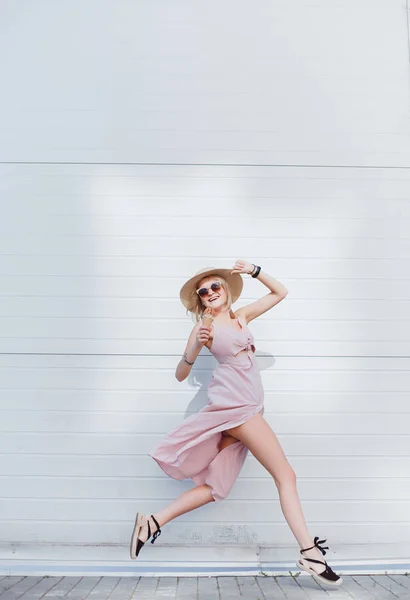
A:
(139, 522)
(317, 577)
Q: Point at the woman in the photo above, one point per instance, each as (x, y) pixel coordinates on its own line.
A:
(210, 446)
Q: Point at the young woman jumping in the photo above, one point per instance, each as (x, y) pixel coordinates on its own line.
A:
(210, 446)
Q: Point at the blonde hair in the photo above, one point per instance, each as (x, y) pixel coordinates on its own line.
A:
(197, 308)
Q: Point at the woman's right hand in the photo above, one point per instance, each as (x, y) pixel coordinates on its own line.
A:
(203, 334)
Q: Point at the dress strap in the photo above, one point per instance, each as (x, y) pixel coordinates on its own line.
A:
(241, 321)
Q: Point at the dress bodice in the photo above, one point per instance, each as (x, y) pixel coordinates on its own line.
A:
(227, 343)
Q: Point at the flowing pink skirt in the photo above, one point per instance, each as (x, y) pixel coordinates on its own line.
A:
(190, 451)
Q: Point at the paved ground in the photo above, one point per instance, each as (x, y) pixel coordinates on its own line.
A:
(359, 587)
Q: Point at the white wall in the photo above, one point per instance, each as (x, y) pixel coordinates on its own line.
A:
(140, 142)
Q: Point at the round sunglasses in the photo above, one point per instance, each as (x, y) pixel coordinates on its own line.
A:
(215, 286)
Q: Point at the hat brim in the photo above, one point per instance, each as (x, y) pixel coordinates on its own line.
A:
(188, 291)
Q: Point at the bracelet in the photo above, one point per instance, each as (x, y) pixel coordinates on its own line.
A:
(256, 271)
(187, 361)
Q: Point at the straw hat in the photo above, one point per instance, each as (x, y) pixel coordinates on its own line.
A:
(188, 290)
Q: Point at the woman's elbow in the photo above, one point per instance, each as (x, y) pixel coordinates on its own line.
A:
(179, 377)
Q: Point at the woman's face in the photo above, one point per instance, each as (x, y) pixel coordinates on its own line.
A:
(214, 299)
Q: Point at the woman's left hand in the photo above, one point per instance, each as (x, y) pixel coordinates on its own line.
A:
(242, 266)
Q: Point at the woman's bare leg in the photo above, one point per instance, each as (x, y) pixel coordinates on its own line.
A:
(257, 435)
(194, 498)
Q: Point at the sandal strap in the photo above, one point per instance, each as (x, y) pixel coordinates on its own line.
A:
(316, 544)
(316, 561)
(158, 532)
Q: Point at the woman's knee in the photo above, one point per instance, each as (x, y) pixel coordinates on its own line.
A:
(286, 476)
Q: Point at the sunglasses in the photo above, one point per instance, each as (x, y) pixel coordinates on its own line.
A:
(215, 286)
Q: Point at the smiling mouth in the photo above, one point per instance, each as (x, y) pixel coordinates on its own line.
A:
(214, 299)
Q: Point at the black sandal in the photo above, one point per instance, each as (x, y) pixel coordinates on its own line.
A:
(136, 544)
(326, 576)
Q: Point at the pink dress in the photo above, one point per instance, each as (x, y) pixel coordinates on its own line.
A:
(235, 395)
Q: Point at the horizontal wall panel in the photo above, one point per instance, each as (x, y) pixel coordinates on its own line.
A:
(154, 227)
(167, 310)
(130, 378)
(247, 488)
(144, 329)
(105, 465)
(141, 423)
(118, 510)
(137, 245)
(114, 189)
(182, 402)
(201, 532)
(354, 269)
(131, 444)
(319, 339)
(175, 348)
